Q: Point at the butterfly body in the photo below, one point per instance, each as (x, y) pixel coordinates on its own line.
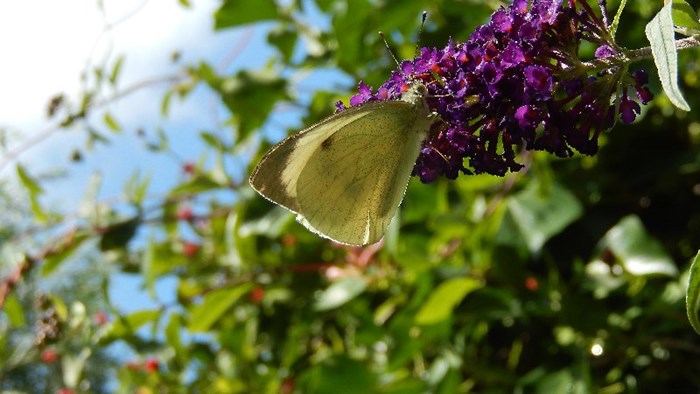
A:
(345, 176)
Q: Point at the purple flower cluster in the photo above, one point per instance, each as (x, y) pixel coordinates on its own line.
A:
(517, 82)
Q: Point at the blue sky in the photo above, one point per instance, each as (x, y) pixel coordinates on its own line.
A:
(58, 39)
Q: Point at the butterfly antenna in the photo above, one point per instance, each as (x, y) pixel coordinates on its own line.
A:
(424, 16)
(388, 49)
(420, 31)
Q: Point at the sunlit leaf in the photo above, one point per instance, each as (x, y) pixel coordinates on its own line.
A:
(541, 212)
(136, 187)
(214, 305)
(660, 33)
(128, 325)
(73, 366)
(684, 15)
(54, 259)
(637, 251)
(445, 298)
(616, 19)
(213, 140)
(34, 191)
(198, 184)
(111, 123)
(116, 69)
(339, 293)
(14, 311)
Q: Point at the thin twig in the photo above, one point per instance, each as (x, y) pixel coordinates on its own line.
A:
(41, 136)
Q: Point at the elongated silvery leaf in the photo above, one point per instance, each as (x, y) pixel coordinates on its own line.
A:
(660, 34)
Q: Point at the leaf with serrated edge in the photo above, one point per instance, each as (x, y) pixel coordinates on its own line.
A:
(660, 34)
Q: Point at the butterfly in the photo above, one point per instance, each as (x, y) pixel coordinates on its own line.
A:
(345, 176)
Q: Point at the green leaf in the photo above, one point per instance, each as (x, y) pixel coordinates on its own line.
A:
(541, 212)
(117, 235)
(684, 15)
(34, 191)
(338, 374)
(616, 19)
(444, 299)
(172, 333)
(111, 123)
(198, 184)
(284, 39)
(250, 96)
(136, 187)
(692, 297)
(14, 311)
(213, 140)
(116, 70)
(165, 104)
(54, 260)
(128, 325)
(351, 38)
(660, 33)
(214, 305)
(158, 260)
(73, 367)
(162, 145)
(241, 12)
(637, 251)
(28, 182)
(339, 293)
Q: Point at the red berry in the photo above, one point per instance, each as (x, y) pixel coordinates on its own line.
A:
(184, 212)
(151, 365)
(287, 386)
(257, 295)
(188, 168)
(100, 318)
(65, 391)
(531, 283)
(49, 355)
(289, 240)
(189, 249)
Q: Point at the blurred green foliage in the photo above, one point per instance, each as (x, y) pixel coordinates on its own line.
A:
(569, 276)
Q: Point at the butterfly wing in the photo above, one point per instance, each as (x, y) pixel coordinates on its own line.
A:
(275, 177)
(352, 184)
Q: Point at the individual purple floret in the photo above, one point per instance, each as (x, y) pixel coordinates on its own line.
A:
(517, 82)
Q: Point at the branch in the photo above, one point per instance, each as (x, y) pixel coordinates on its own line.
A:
(12, 155)
(636, 54)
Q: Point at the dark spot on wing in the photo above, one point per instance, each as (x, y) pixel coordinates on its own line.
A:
(327, 142)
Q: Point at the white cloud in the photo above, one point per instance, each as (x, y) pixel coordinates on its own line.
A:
(42, 43)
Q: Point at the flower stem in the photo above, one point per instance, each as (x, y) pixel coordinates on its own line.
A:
(636, 55)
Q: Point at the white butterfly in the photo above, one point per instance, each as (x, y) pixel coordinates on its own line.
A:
(345, 176)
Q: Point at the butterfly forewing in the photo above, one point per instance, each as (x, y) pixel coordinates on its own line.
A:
(361, 172)
(276, 175)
